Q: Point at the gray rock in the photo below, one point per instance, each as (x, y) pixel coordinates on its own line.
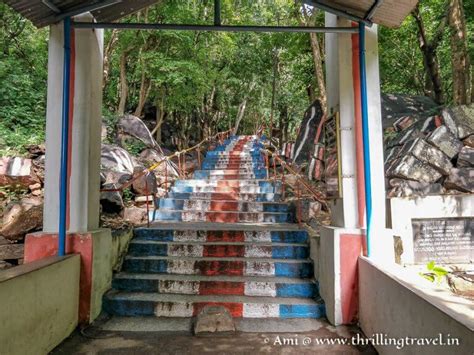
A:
(214, 319)
(428, 154)
(115, 158)
(446, 141)
(461, 179)
(16, 171)
(466, 157)
(22, 217)
(111, 201)
(144, 184)
(407, 188)
(469, 141)
(411, 168)
(133, 126)
(460, 120)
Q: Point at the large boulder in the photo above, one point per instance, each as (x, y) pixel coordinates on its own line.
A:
(305, 142)
(428, 154)
(396, 106)
(410, 168)
(115, 158)
(446, 141)
(460, 120)
(22, 217)
(408, 188)
(16, 171)
(144, 184)
(461, 179)
(152, 156)
(133, 126)
(466, 157)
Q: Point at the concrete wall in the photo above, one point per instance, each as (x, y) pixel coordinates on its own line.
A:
(339, 250)
(399, 303)
(38, 305)
(403, 210)
(96, 253)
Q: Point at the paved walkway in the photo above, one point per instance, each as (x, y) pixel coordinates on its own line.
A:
(96, 340)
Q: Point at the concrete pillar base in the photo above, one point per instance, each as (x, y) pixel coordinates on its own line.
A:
(95, 248)
(340, 249)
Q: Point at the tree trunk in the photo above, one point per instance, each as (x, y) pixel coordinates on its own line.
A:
(160, 117)
(240, 114)
(317, 60)
(123, 84)
(459, 53)
(274, 85)
(430, 58)
(145, 87)
(107, 54)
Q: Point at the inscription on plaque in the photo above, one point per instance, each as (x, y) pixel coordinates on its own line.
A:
(443, 240)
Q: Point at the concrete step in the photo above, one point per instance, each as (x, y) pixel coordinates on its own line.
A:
(221, 216)
(231, 165)
(170, 305)
(211, 266)
(216, 285)
(186, 194)
(219, 249)
(242, 154)
(228, 183)
(228, 171)
(199, 235)
(221, 205)
(227, 189)
(207, 174)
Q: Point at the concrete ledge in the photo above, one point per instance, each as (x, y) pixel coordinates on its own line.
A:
(38, 305)
(398, 303)
(403, 210)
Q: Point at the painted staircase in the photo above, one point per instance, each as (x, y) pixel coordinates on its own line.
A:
(222, 238)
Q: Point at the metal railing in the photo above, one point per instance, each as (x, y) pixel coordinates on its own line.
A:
(301, 181)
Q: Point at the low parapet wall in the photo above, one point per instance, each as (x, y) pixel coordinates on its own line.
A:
(395, 304)
(38, 305)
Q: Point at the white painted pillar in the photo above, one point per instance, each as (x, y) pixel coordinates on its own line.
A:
(341, 98)
(343, 242)
(85, 125)
(382, 249)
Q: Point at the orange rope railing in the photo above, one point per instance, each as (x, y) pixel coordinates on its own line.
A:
(302, 182)
(127, 184)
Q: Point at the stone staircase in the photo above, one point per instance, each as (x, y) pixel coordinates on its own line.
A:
(222, 238)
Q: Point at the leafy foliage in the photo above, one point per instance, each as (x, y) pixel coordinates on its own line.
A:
(200, 80)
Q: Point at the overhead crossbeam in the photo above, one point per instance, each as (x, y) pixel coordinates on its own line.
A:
(184, 27)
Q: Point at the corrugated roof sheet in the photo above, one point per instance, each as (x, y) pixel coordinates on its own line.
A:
(391, 13)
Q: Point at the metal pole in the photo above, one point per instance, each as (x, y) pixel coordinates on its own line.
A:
(185, 27)
(217, 12)
(365, 133)
(64, 139)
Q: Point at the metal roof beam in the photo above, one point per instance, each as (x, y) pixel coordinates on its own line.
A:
(337, 12)
(87, 8)
(51, 6)
(184, 27)
(370, 14)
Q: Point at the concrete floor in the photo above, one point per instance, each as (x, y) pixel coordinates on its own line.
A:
(146, 336)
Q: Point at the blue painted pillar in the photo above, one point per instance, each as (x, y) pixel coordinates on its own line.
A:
(65, 139)
(365, 133)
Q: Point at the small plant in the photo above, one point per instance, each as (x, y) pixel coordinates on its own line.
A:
(434, 273)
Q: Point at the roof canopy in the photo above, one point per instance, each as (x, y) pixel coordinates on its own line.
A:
(42, 13)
